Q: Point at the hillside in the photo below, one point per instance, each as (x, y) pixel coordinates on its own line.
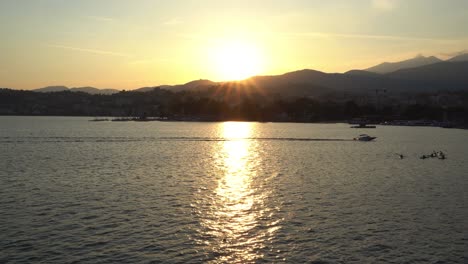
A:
(418, 61)
(434, 75)
(448, 73)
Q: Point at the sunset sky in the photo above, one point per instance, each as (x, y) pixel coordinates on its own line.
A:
(127, 44)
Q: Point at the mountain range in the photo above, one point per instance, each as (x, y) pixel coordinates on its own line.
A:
(419, 74)
(418, 61)
(90, 90)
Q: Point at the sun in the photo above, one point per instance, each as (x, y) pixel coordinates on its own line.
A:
(237, 60)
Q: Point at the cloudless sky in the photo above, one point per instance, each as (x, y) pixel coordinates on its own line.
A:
(127, 44)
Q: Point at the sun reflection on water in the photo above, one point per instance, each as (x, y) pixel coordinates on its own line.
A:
(234, 221)
(234, 190)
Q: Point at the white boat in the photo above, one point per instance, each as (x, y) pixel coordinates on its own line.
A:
(364, 137)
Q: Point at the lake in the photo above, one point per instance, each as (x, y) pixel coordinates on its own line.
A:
(74, 191)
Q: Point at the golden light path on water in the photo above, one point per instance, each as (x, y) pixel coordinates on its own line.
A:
(238, 219)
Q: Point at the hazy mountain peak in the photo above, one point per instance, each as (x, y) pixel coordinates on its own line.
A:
(362, 73)
(304, 71)
(303, 74)
(53, 88)
(417, 61)
(461, 57)
(201, 81)
(93, 90)
(90, 90)
(197, 83)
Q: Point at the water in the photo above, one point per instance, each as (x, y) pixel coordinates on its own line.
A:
(74, 191)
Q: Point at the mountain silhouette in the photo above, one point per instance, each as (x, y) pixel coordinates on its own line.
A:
(52, 89)
(417, 61)
(434, 75)
(191, 85)
(448, 73)
(427, 78)
(90, 90)
(461, 57)
(362, 73)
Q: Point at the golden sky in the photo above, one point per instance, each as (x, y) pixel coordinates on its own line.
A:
(130, 44)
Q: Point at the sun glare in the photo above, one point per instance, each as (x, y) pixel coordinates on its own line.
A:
(237, 60)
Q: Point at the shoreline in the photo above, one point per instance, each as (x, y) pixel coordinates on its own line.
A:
(408, 123)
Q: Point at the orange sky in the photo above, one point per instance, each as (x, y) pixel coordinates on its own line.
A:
(130, 44)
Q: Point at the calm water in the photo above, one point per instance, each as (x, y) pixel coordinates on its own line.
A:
(168, 192)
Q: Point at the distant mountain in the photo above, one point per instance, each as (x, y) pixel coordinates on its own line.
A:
(445, 73)
(51, 89)
(301, 76)
(145, 89)
(324, 81)
(362, 73)
(431, 75)
(428, 78)
(461, 57)
(418, 61)
(197, 83)
(192, 85)
(90, 90)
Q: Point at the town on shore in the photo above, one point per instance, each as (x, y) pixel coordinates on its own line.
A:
(420, 91)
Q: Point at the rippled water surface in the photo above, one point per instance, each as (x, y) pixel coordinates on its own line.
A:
(74, 191)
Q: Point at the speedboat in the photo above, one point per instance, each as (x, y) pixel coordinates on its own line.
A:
(364, 137)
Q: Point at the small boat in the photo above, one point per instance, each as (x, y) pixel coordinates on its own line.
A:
(364, 137)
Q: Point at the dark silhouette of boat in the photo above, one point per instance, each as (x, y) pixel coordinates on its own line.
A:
(364, 137)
